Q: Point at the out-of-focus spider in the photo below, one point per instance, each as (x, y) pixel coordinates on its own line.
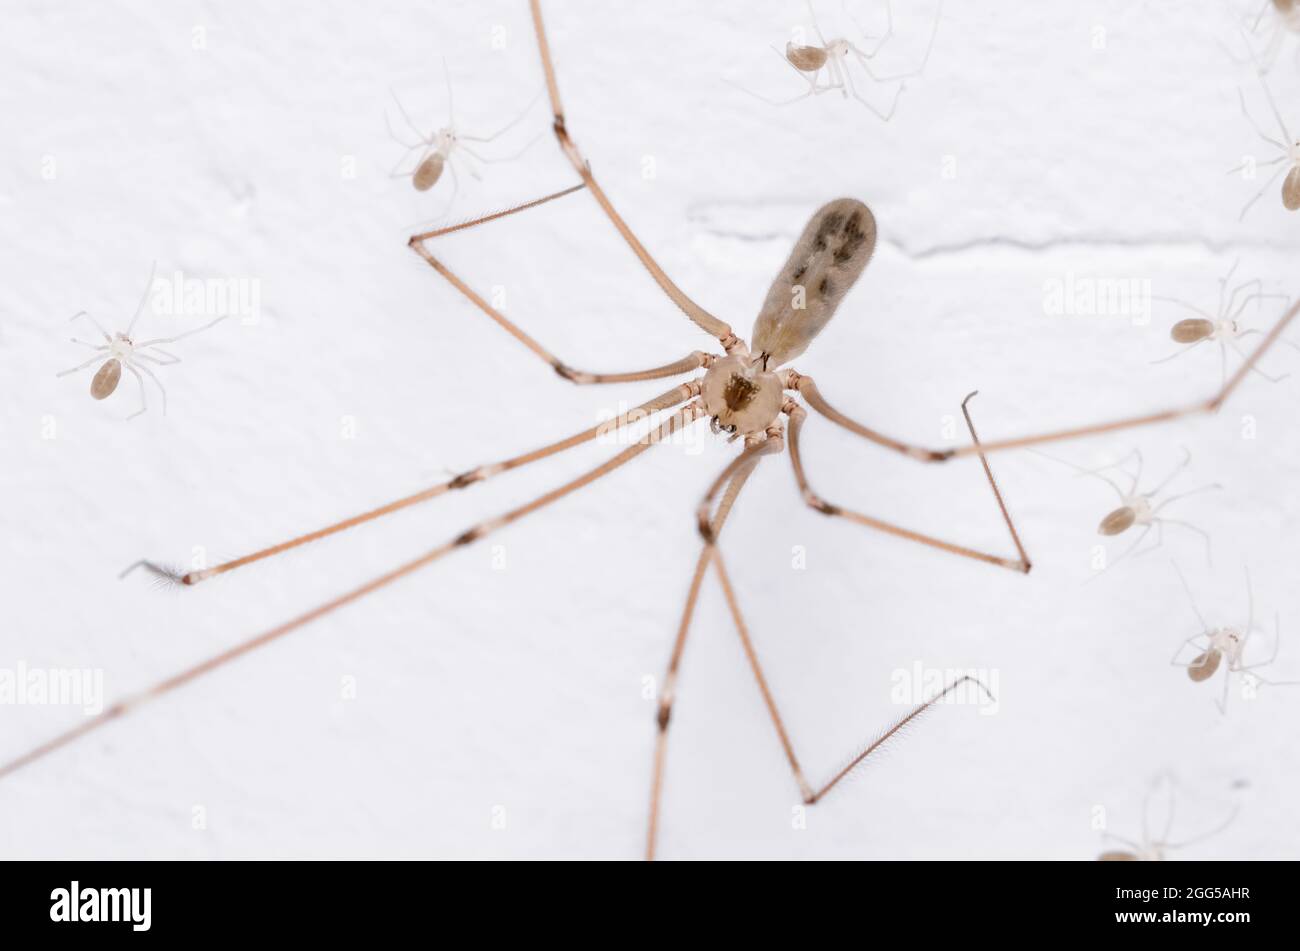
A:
(747, 390)
(1276, 19)
(1217, 645)
(1224, 326)
(1288, 161)
(1140, 509)
(834, 55)
(119, 350)
(437, 151)
(1156, 850)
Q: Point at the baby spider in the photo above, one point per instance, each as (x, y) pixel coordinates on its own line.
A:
(833, 56)
(438, 150)
(1154, 850)
(1284, 18)
(119, 350)
(1219, 644)
(1140, 508)
(1224, 325)
(1289, 160)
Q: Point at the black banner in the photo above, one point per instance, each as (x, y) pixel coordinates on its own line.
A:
(930, 902)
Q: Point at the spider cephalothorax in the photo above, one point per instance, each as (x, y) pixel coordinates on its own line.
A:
(741, 396)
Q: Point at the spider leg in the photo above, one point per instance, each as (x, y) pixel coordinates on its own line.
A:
(1257, 297)
(884, 37)
(1241, 95)
(673, 397)
(1146, 530)
(1097, 472)
(155, 353)
(1222, 702)
(81, 366)
(1241, 353)
(801, 383)
(1260, 194)
(812, 15)
(508, 126)
(398, 172)
(690, 362)
(148, 289)
(1179, 353)
(1182, 303)
(864, 58)
(797, 415)
(1269, 164)
(1214, 486)
(410, 124)
(1205, 536)
(1178, 469)
(1277, 646)
(734, 477)
(129, 704)
(500, 158)
(98, 348)
(1257, 283)
(893, 105)
(108, 338)
(1205, 835)
(1175, 662)
(151, 375)
(144, 402)
(813, 90)
(1160, 540)
(697, 314)
(1191, 598)
(806, 790)
(188, 333)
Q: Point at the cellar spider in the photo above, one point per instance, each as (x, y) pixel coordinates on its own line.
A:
(745, 391)
(833, 57)
(1216, 645)
(1154, 850)
(438, 150)
(1140, 509)
(119, 350)
(1224, 326)
(1289, 160)
(1284, 19)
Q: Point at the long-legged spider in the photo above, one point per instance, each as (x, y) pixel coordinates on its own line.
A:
(437, 151)
(120, 350)
(1141, 509)
(1150, 849)
(1288, 162)
(744, 391)
(1224, 326)
(834, 55)
(1216, 646)
(1283, 19)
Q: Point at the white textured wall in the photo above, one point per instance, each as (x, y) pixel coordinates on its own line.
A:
(522, 687)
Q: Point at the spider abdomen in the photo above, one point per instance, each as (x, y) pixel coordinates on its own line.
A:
(1120, 520)
(1204, 666)
(826, 260)
(1191, 330)
(430, 170)
(806, 59)
(106, 379)
(1291, 190)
